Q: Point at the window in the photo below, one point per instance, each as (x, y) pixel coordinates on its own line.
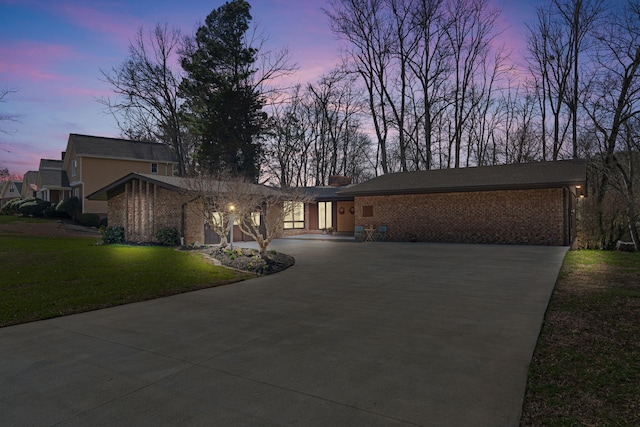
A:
(367, 211)
(294, 215)
(154, 168)
(325, 218)
(76, 192)
(74, 167)
(256, 218)
(10, 188)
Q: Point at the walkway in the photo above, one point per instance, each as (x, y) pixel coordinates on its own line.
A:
(358, 334)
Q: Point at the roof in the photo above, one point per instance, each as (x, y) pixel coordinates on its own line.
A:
(326, 193)
(50, 164)
(483, 178)
(96, 146)
(53, 179)
(174, 183)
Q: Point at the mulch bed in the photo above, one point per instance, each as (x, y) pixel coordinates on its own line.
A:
(250, 260)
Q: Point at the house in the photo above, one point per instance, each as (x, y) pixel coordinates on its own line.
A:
(145, 203)
(527, 203)
(91, 163)
(327, 210)
(9, 190)
(29, 185)
(52, 184)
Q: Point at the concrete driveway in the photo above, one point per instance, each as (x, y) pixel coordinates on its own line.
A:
(369, 334)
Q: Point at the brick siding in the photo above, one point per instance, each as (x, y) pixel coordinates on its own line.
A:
(143, 208)
(501, 217)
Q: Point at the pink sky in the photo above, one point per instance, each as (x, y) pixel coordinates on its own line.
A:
(52, 53)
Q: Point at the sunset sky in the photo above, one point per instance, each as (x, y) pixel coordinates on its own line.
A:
(51, 53)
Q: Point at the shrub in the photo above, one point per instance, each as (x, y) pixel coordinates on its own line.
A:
(111, 235)
(11, 207)
(167, 236)
(51, 212)
(70, 206)
(33, 207)
(89, 220)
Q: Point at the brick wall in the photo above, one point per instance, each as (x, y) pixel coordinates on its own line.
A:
(503, 217)
(142, 208)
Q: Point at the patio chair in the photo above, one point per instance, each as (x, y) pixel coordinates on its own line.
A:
(381, 234)
(358, 232)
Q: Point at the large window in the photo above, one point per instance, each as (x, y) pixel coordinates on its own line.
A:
(294, 215)
(325, 219)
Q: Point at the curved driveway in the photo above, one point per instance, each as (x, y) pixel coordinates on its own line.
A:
(370, 334)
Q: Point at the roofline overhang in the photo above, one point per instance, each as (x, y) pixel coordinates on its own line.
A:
(102, 194)
(469, 189)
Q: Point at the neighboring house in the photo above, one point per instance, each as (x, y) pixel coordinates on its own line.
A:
(92, 162)
(527, 203)
(9, 190)
(52, 184)
(29, 185)
(143, 203)
(326, 211)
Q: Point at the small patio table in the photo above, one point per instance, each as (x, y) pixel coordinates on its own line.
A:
(369, 234)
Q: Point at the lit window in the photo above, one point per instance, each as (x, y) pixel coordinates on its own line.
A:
(256, 219)
(325, 219)
(154, 168)
(294, 215)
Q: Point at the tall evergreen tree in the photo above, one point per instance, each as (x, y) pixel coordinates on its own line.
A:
(222, 106)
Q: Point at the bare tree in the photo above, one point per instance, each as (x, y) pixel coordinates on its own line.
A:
(551, 64)
(627, 163)
(431, 65)
(558, 42)
(580, 17)
(363, 24)
(4, 93)
(261, 211)
(614, 100)
(147, 105)
(211, 198)
(287, 145)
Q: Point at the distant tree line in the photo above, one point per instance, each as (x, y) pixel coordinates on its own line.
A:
(422, 84)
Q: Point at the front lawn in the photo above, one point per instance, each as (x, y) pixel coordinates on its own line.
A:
(586, 367)
(43, 277)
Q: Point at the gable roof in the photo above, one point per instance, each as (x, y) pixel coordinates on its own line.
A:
(174, 183)
(50, 164)
(7, 185)
(53, 179)
(51, 175)
(115, 148)
(483, 178)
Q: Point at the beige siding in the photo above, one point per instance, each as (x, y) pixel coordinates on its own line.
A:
(95, 173)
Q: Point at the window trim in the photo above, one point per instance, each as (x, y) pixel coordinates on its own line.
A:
(294, 219)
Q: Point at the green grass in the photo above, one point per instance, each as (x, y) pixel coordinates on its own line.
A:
(44, 277)
(586, 366)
